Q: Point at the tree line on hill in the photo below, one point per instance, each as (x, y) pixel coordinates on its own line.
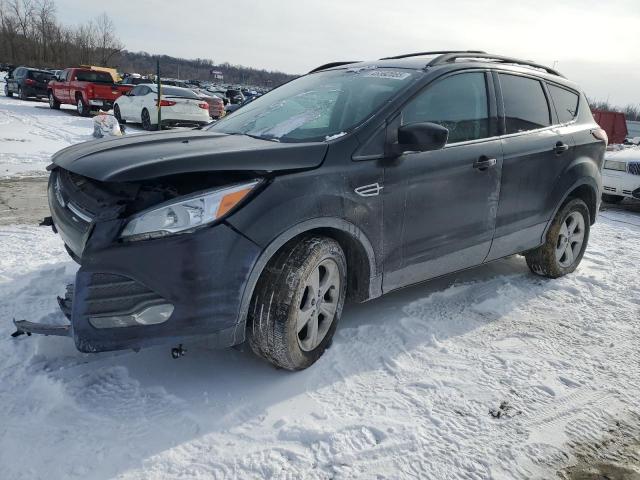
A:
(30, 34)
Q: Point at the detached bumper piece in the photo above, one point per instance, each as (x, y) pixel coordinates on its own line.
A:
(25, 327)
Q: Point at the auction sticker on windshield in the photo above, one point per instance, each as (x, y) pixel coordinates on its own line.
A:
(394, 74)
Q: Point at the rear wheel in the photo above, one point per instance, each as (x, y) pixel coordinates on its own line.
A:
(53, 103)
(83, 108)
(611, 198)
(21, 94)
(7, 92)
(146, 120)
(566, 242)
(116, 113)
(297, 303)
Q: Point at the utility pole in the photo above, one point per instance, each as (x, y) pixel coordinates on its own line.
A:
(159, 95)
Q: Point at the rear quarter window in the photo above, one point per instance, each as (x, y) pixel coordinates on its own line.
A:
(565, 101)
(525, 104)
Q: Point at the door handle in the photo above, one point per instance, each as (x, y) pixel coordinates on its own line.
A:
(561, 147)
(483, 163)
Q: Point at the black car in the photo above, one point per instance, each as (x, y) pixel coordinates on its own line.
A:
(234, 96)
(347, 183)
(27, 82)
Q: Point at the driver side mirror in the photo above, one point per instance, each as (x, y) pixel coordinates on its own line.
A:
(420, 137)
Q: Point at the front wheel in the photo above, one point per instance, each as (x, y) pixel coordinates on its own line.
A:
(297, 303)
(7, 92)
(565, 244)
(53, 103)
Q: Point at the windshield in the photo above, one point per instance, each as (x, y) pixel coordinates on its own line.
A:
(319, 106)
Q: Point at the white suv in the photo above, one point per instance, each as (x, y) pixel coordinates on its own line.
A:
(621, 174)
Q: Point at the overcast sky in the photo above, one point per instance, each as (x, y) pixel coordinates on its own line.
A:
(594, 42)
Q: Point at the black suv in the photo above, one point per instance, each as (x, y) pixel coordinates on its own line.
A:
(352, 181)
(27, 82)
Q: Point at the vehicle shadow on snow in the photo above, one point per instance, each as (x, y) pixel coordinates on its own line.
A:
(163, 402)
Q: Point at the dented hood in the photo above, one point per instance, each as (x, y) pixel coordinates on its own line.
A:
(141, 157)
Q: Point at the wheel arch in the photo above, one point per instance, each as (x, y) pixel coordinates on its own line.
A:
(364, 281)
(585, 189)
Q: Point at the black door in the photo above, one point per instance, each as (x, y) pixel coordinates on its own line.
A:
(537, 148)
(440, 206)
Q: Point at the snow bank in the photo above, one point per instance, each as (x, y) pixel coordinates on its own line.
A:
(404, 392)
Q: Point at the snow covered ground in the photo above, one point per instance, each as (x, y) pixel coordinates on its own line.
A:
(405, 391)
(30, 133)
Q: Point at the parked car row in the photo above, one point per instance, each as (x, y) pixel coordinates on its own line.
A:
(92, 89)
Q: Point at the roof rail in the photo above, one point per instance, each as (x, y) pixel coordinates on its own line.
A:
(332, 64)
(439, 52)
(453, 56)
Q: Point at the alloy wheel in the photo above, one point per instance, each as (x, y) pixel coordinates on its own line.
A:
(570, 239)
(318, 306)
(146, 120)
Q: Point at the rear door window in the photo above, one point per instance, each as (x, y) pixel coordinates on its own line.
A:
(459, 103)
(525, 103)
(565, 101)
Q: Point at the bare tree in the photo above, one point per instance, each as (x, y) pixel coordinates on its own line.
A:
(107, 44)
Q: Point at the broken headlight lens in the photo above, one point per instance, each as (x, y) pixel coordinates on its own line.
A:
(185, 214)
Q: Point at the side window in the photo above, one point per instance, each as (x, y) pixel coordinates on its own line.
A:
(145, 91)
(135, 91)
(459, 103)
(565, 101)
(525, 104)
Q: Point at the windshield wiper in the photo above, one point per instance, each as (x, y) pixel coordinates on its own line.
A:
(258, 137)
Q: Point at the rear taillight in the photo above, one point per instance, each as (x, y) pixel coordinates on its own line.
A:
(204, 105)
(28, 81)
(165, 103)
(601, 135)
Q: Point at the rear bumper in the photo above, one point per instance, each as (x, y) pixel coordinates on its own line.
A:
(98, 102)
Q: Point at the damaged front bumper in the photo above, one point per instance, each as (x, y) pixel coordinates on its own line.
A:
(130, 295)
(133, 294)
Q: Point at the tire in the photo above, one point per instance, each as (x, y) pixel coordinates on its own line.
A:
(612, 198)
(21, 94)
(7, 92)
(116, 113)
(146, 121)
(83, 109)
(304, 284)
(563, 250)
(53, 103)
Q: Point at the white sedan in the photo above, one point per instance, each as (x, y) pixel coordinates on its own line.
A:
(180, 106)
(621, 174)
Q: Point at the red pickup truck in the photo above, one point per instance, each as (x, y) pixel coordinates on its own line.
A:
(85, 88)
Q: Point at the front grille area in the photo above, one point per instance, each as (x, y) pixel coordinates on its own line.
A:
(73, 228)
(110, 294)
(634, 168)
(609, 189)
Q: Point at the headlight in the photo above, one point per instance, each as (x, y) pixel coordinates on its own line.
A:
(186, 213)
(615, 165)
